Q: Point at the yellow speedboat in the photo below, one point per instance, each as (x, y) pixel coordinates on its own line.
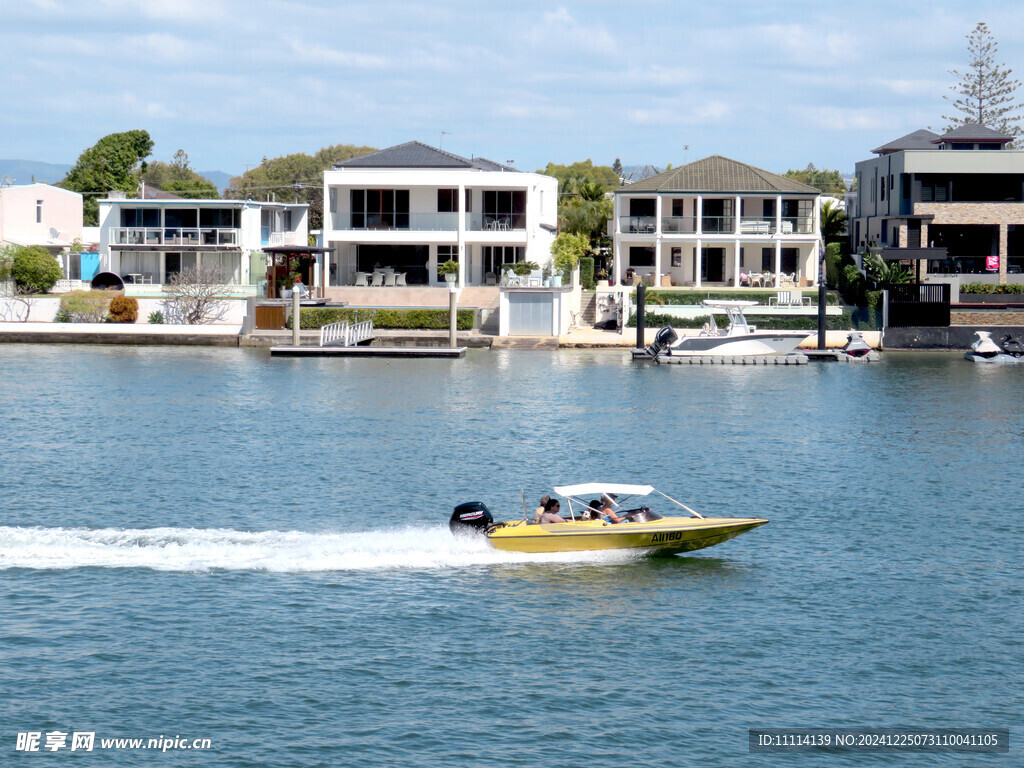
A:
(642, 528)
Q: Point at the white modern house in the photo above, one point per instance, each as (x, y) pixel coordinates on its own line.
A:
(40, 214)
(147, 241)
(717, 222)
(411, 207)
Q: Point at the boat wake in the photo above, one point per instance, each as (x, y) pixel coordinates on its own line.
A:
(205, 549)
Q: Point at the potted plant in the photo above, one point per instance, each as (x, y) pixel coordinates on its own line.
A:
(524, 268)
(602, 278)
(450, 270)
(286, 284)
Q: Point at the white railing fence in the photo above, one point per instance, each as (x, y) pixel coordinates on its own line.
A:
(345, 334)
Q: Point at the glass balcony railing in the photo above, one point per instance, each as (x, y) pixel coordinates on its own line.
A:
(421, 222)
(643, 225)
(174, 236)
(679, 225)
(495, 222)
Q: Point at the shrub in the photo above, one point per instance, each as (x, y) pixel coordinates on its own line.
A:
(85, 306)
(62, 316)
(34, 269)
(587, 272)
(990, 288)
(123, 309)
(156, 318)
(313, 318)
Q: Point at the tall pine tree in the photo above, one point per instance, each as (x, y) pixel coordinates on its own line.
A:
(985, 93)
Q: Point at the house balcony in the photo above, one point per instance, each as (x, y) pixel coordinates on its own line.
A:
(156, 236)
(717, 225)
(420, 222)
(281, 238)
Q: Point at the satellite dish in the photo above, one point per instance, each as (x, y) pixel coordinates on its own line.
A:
(54, 233)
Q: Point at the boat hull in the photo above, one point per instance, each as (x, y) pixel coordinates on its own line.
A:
(759, 343)
(670, 534)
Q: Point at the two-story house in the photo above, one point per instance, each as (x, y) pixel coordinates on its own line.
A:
(717, 221)
(147, 241)
(950, 204)
(40, 214)
(411, 207)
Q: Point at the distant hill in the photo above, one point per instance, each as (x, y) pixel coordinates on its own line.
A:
(27, 171)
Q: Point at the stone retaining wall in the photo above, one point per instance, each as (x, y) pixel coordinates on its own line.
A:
(986, 317)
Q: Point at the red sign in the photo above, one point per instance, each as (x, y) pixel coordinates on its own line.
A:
(992, 263)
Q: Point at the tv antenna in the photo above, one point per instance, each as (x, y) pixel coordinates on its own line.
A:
(443, 134)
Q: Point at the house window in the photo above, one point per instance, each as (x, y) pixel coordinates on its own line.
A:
(380, 208)
(39, 211)
(497, 255)
(677, 208)
(446, 253)
(641, 256)
(505, 206)
(447, 200)
(892, 182)
(469, 200)
(334, 200)
(882, 190)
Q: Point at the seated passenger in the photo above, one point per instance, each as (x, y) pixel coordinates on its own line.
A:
(607, 510)
(540, 509)
(550, 514)
(593, 510)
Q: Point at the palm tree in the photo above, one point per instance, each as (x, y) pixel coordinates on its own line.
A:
(833, 223)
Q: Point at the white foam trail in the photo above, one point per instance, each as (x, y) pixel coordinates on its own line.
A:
(202, 549)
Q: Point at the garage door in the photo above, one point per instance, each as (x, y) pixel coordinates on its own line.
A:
(529, 314)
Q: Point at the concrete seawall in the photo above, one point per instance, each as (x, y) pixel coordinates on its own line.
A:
(112, 333)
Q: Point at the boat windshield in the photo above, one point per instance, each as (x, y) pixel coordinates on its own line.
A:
(641, 515)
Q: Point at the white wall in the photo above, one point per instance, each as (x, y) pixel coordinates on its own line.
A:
(61, 210)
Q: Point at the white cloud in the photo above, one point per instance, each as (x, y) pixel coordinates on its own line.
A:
(559, 30)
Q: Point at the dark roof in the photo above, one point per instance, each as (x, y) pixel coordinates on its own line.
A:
(969, 132)
(718, 174)
(414, 154)
(921, 139)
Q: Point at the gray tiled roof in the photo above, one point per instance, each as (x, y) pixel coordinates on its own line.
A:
(921, 139)
(718, 174)
(414, 154)
(969, 132)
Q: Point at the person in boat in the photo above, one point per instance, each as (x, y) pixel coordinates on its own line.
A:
(540, 510)
(550, 514)
(608, 513)
(593, 510)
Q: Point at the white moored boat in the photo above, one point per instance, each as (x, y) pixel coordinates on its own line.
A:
(740, 338)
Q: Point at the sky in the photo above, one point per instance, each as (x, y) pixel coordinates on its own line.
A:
(774, 84)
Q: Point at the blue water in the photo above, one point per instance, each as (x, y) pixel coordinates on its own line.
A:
(214, 544)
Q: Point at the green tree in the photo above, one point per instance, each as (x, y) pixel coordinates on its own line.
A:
(293, 178)
(582, 171)
(179, 178)
(985, 91)
(34, 269)
(885, 273)
(567, 250)
(833, 223)
(828, 181)
(112, 163)
(617, 168)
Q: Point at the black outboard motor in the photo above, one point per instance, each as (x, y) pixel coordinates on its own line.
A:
(1012, 345)
(471, 517)
(662, 339)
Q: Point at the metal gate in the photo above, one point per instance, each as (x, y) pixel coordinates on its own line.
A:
(919, 305)
(530, 314)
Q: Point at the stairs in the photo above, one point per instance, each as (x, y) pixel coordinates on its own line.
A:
(588, 309)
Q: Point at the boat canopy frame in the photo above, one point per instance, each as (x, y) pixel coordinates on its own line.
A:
(572, 493)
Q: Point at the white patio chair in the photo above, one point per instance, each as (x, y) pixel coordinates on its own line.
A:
(400, 279)
(389, 279)
(536, 278)
(377, 280)
(361, 279)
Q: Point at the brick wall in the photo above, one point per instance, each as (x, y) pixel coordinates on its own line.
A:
(986, 317)
(973, 213)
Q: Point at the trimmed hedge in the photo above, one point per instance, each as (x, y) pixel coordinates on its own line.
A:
(775, 322)
(84, 306)
(990, 288)
(696, 298)
(314, 318)
(587, 272)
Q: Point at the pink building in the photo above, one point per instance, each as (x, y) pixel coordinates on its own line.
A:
(40, 214)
